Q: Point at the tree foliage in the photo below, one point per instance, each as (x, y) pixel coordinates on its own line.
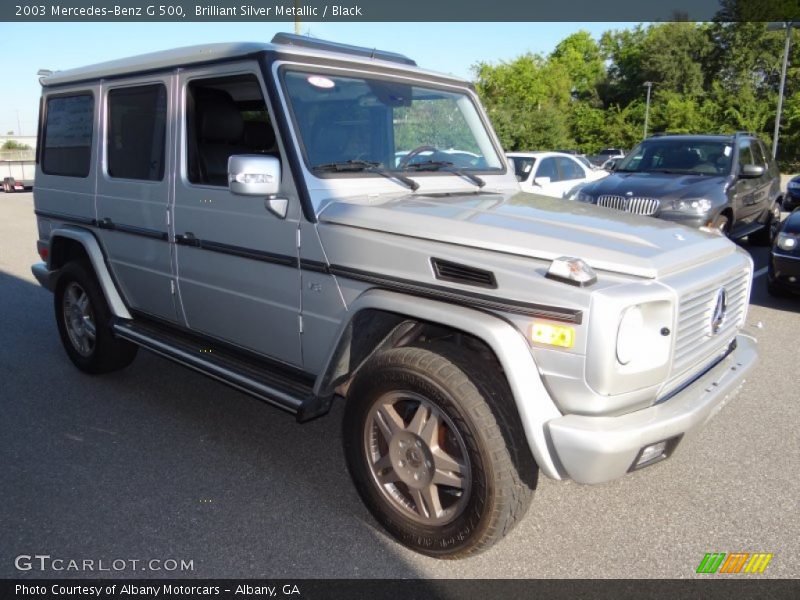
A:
(589, 94)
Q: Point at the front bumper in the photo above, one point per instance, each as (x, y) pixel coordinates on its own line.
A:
(784, 271)
(599, 449)
(693, 220)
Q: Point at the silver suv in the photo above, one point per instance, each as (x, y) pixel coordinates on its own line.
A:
(310, 222)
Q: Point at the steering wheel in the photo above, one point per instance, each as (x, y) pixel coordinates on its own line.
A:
(403, 163)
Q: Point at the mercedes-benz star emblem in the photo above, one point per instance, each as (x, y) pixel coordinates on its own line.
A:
(720, 310)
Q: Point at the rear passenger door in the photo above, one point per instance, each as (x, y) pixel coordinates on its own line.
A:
(238, 272)
(133, 191)
(745, 191)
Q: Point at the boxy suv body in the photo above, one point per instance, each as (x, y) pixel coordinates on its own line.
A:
(241, 209)
(728, 182)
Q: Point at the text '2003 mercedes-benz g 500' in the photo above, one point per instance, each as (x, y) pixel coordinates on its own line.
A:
(336, 223)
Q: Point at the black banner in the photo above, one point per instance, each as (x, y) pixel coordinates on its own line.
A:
(407, 10)
(713, 588)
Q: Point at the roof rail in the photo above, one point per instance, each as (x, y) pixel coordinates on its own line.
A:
(751, 133)
(292, 39)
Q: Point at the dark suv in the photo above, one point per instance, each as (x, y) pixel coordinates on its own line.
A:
(726, 182)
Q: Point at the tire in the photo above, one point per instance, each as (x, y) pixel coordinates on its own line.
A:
(775, 290)
(84, 322)
(723, 224)
(766, 235)
(475, 448)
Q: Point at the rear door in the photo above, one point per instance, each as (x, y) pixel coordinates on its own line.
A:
(745, 191)
(134, 188)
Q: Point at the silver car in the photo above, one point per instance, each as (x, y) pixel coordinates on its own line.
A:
(311, 222)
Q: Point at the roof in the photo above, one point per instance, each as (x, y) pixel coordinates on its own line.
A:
(538, 154)
(190, 55)
(694, 137)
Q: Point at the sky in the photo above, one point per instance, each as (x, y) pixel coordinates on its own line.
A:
(446, 47)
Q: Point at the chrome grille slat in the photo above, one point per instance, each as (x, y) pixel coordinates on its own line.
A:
(694, 343)
(633, 205)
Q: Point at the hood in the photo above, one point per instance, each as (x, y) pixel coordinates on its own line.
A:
(536, 226)
(664, 186)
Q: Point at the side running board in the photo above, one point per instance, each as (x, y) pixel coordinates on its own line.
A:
(288, 391)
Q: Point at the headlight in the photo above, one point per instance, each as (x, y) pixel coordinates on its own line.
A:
(794, 185)
(787, 241)
(630, 338)
(578, 195)
(699, 205)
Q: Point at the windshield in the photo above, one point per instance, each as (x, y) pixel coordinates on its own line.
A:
(679, 156)
(522, 166)
(356, 123)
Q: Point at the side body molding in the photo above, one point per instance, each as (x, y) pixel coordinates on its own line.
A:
(89, 242)
(532, 400)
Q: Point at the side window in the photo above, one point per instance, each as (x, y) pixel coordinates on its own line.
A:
(570, 169)
(225, 116)
(67, 148)
(745, 154)
(548, 168)
(137, 123)
(758, 153)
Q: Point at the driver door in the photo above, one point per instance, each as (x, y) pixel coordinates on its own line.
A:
(237, 263)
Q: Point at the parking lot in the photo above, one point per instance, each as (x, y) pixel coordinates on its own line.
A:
(157, 462)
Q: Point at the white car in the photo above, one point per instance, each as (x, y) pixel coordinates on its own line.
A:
(551, 173)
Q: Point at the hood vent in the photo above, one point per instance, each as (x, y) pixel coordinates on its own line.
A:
(463, 274)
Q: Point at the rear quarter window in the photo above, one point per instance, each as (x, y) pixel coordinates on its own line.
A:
(68, 129)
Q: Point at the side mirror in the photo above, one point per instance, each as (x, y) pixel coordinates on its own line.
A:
(254, 174)
(541, 181)
(752, 171)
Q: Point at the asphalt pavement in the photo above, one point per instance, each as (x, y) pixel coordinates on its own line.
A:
(159, 463)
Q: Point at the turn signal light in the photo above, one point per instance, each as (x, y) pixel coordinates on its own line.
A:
(562, 336)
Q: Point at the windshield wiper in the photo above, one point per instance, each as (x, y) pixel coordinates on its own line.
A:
(443, 165)
(366, 166)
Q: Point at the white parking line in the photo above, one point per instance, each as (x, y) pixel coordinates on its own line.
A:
(760, 272)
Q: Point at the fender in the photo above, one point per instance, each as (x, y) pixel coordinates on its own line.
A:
(95, 253)
(534, 405)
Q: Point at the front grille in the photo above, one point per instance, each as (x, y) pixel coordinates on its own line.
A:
(636, 206)
(696, 343)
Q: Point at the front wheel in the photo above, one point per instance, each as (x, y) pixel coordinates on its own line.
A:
(436, 450)
(767, 235)
(84, 319)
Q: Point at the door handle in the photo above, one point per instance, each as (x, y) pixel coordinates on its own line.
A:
(105, 223)
(187, 239)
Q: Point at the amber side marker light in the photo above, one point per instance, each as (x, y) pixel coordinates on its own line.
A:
(562, 336)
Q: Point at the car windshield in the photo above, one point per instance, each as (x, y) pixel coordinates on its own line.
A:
(358, 123)
(522, 166)
(679, 156)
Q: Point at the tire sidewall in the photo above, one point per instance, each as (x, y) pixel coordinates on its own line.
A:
(79, 273)
(474, 519)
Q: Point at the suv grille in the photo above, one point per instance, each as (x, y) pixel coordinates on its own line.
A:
(696, 342)
(636, 206)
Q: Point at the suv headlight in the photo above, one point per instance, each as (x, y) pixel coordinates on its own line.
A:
(787, 241)
(643, 336)
(700, 205)
(794, 185)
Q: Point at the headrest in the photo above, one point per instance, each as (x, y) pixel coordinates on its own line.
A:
(220, 120)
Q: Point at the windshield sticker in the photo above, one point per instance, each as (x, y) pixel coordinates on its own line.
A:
(321, 82)
(727, 151)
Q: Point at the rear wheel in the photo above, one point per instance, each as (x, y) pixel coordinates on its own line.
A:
(766, 235)
(84, 322)
(436, 451)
